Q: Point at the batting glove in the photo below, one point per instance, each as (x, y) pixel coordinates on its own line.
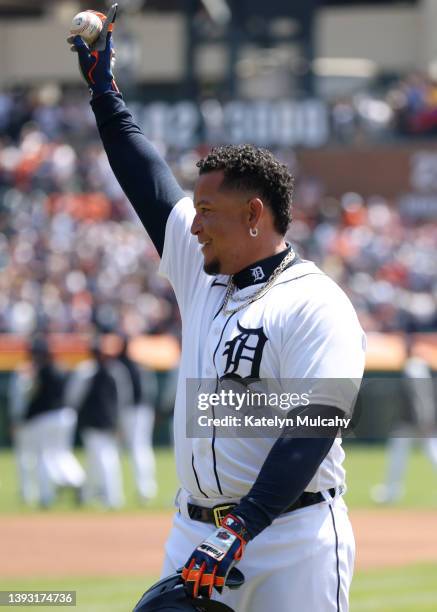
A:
(211, 562)
(96, 60)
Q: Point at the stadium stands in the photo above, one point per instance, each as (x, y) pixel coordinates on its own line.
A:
(73, 255)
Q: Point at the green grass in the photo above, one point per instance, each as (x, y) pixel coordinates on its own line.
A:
(365, 467)
(92, 594)
(406, 589)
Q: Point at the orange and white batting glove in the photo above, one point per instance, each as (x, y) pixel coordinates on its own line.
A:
(211, 562)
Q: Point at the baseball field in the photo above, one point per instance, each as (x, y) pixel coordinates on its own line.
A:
(109, 558)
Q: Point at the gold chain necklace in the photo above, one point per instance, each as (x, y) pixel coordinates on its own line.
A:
(258, 294)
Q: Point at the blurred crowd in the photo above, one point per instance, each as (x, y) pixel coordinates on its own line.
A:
(406, 108)
(415, 105)
(73, 255)
(385, 263)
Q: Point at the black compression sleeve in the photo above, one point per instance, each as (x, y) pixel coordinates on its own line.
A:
(287, 470)
(143, 175)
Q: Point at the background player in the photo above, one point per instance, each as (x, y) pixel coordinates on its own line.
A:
(265, 315)
(137, 418)
(97, 389)
(418, 420)
(43, 428)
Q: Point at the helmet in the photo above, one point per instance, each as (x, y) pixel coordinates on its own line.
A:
(169, 595)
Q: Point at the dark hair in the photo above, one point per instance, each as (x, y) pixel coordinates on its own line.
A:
(251, 168)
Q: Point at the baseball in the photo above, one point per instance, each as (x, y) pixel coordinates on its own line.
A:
(87, 25)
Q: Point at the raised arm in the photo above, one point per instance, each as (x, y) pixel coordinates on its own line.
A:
(142, 173)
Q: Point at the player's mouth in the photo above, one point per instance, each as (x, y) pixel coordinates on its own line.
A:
(205, 245)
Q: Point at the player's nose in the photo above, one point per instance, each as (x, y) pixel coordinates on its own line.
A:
(196, 226)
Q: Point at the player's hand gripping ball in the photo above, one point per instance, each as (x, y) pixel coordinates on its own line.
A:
(212, 560)
(87, 25)
(96, 58)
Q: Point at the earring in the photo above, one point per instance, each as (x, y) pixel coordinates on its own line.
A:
(253, 232)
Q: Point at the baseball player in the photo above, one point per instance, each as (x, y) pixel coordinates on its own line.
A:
(137, 418)
(96, 389)
(251, 310)
(43, 428)
(417, 420)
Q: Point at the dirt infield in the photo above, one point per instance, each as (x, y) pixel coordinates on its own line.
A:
(132, 545)
(390, 538)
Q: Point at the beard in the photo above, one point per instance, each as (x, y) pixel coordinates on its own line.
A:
(212, 268)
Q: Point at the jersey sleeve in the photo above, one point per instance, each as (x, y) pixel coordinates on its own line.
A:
(143, 174)
(19, 385)
(123, 384)
(154, 193)
(419, 387)
(182, 260)
(324, 349)
(77, 385)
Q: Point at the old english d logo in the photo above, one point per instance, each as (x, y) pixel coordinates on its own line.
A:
(246, 346)
(257, 274)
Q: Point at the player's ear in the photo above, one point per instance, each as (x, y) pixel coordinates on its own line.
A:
(256, 208)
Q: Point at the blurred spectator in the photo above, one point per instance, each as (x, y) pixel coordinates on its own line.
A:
(43, 428)
(97, 389)
(418, 422)
(415, 105)
(137, 418)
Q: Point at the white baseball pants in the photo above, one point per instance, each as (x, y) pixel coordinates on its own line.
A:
(103, 473)
(303, 562)
(137, 429)
(398, 451)
(44, 448)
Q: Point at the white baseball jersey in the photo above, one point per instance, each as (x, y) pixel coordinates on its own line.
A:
(303, 327)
